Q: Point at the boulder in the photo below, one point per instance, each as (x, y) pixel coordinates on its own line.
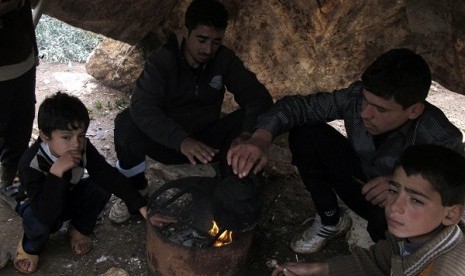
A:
(125, 20)
(116, 64)
(299, 46)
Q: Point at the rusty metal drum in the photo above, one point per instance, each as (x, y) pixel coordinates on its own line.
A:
(165, 257)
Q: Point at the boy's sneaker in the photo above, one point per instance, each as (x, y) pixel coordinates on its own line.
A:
(119, 212)
(315, 237)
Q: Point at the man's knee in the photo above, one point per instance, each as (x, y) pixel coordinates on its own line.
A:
(123, 128)
(130, 142)
(311, 143)
(304, 140)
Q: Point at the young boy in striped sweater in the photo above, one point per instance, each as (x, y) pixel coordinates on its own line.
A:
(423, 211)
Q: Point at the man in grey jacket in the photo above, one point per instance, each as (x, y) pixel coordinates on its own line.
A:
(383, 114)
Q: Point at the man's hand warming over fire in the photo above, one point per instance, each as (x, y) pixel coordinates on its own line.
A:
(160, 220)
(251, 154)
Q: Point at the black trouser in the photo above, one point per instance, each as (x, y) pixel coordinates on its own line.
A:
(83, 205)
(17, 109)
(327, 165)
(132, 145)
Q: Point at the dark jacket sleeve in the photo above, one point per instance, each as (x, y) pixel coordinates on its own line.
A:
(249, 93)
(110, 179)
(46, 192)
(17, 35)
(297, 110)
(149, 96)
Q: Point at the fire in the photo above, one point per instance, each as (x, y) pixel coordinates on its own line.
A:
(224, 239)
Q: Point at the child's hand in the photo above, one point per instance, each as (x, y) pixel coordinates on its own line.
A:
(376, 190)
(65, 162)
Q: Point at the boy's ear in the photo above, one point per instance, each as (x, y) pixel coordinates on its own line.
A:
(43, 137)
(416, 110)
(453, 214)
(185, 32)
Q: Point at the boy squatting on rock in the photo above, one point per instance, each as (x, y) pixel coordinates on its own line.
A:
(423, 211)
(53, 186)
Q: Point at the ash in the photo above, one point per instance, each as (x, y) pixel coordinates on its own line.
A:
(187, 236)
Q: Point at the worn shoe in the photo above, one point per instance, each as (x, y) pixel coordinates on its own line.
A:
(8, 194)
(7, 176)
(315, 237)
(119, 212)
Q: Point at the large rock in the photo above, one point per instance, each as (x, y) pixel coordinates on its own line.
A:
(301, 46)
(126, 20)
(116, 64)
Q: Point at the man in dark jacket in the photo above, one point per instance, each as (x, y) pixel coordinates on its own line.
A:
(175, 111)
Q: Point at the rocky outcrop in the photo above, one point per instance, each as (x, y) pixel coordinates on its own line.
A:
(303, 46)
(125, 20)
(116, 64)
(300, 46)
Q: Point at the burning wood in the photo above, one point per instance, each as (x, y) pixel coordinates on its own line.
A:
(195, 241)
(220, 238)
(189, 237)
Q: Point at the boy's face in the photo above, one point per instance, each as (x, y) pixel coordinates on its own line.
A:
(413, 208)
(380, 115)
(62, 141)
(201, 44)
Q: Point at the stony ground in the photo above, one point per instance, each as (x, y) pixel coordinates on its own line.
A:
(121, 249)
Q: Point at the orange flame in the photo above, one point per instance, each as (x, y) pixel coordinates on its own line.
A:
(224, 239)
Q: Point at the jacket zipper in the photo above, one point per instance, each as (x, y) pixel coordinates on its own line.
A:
(197, 81)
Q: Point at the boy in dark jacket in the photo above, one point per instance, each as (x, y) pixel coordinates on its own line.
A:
(423, 210)
(54, 188)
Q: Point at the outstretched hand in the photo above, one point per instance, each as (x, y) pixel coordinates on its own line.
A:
(251, 154)
(197, 150)
(160, 220)
(243, 138)
(308, 269)
(143, 211)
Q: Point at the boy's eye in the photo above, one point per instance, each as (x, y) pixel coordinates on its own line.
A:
(380, 109)
(393, 189)
(416, 201)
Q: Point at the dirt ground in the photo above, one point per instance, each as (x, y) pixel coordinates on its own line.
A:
(286, 204)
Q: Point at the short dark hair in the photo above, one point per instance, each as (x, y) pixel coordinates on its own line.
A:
(206, 12)
(62, 112)
(442, 167)
(399, 74)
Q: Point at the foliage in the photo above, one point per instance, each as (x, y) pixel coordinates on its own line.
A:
(60, 42)
(98, 105)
